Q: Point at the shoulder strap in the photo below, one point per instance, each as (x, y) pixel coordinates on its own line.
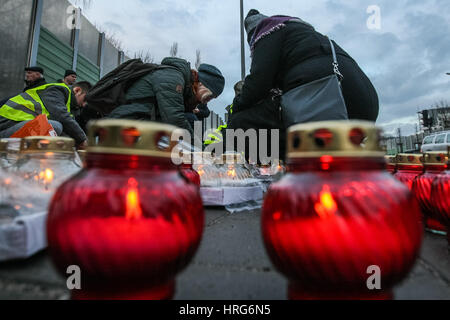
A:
(335, 62)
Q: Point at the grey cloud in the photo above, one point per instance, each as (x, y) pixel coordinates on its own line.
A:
(406, 59)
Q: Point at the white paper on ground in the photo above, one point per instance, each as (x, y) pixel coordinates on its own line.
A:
(230, 195)
(23, 236)
(245, 206)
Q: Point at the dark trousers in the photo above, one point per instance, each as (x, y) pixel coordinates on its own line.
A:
(264, 115)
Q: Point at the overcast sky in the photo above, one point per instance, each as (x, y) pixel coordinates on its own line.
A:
(406, 58)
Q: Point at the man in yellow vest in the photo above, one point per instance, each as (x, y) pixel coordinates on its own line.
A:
(54, 100)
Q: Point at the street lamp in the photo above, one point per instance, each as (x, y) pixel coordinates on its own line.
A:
(242, 42)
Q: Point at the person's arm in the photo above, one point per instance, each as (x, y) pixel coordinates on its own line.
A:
(263, 72)
(54, 99)
(170, 98)
(204, 111)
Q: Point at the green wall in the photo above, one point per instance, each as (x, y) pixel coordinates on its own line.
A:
(56, 57)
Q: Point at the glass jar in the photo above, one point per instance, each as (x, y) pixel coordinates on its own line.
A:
(129, 220)
(187, 169)
(409, 166)
(44, 163)
(233, 170)
(9, 152)
(337, 215)
(3, 153)
(434, 164)
(391, 165)
(82, 156)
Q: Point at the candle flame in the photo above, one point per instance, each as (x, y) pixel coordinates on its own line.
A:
(231, 172)
(47, 176)
(326, 207)
(8, 181)
(133, 207)
(201, 173)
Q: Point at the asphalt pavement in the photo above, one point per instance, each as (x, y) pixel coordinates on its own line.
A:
(231, 264)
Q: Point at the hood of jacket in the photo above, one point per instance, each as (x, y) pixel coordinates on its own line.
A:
(182, 65)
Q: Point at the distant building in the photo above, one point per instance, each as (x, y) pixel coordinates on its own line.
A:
(434, 120)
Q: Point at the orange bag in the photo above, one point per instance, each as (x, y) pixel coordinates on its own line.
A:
(39, 126)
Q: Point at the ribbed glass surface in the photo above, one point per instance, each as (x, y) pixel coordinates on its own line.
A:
(131, 229)
(323, 230)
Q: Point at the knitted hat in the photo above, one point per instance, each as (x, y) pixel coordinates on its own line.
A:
(212, 78)
(69, 72)
(35, 69)
(251, 22)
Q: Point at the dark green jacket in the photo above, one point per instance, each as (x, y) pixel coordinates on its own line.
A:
(160, 96)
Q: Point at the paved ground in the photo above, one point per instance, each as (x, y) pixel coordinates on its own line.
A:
(230, 264)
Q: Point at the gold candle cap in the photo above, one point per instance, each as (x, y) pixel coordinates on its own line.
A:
(409, 159)
(435, 158)
(334, 138)
(390, 160)
(38, 144)
(129, 137)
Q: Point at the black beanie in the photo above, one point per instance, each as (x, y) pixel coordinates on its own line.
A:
(212, 78)
(69, 72)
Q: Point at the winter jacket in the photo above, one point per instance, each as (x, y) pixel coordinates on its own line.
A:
(160, 95)
(297, 54)
(55, 99)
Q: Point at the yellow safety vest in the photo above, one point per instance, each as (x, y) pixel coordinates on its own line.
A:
(28, 105)
(217, 136)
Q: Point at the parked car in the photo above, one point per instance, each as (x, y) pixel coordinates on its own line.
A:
(439, 141)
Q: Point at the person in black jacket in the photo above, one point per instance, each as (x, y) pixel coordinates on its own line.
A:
(34, 77)
(286, 53)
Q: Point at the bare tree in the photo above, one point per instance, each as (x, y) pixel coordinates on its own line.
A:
(116, 42)
(145, 56)
(111, 37)
(442, 104)
(198, 60)
(174, 49)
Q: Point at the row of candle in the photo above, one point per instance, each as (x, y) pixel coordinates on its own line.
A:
(427, 176)
(131, 222)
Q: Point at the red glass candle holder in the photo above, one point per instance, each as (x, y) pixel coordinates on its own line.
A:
(440, 199)
(434, 164)
(191, 175)
(391, 165)
(129, 220)
(337, 214)
(409, 166)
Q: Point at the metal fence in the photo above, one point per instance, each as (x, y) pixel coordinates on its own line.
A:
(408, 144)
(54, 35)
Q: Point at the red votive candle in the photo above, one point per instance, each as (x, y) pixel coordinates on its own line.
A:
(409, 166)
(129, 220)
(337, 217)
(434, 164)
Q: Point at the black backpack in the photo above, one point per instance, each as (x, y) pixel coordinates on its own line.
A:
(109, 92)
